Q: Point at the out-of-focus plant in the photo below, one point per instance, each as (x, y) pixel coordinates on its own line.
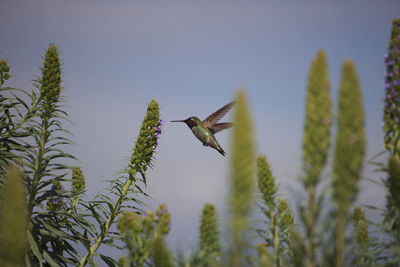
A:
(160, 254)
(279, 220)
(13, 220)
(139, 234)
(363, 256)
(209, 233)
(125, 188)
(242, 180)
(348, 154)
(316, 143)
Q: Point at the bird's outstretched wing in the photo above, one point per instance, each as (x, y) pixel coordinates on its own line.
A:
(211, 120)
(220, 126)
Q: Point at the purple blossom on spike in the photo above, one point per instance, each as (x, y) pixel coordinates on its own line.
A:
(396, 82)
(390, 62)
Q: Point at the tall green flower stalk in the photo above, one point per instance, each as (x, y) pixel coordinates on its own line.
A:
(391, 127)
(13, 220)
(391, 114)
(362, 252)
(141, 158)
(242, 180)
(50, 87)
(209, 233)
(277, 211)
(316, 142)
(349, 152)
(266, 185)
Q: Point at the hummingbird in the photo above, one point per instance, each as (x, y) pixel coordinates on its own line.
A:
(205, 130)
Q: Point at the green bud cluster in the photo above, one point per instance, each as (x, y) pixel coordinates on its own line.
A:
(78, 183)
(209, 234)
(139, 232)
(391, 111)
(360, 225)
(266, 182)
(51, 80)
(285, 214)
(350, 139)
(147, 140)
(56, 201)
(4, 71)
(148, 224)
(14, 220)
(318, 121)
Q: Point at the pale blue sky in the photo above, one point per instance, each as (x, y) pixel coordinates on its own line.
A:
(191, 56)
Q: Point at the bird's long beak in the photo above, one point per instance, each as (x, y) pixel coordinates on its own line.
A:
(178, 121)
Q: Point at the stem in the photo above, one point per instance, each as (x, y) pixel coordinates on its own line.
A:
(275, 236)
(110, 220)
(38, 166)
(310, 223)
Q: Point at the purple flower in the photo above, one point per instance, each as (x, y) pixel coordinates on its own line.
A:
(390, 63)
(396, 82)
(398, 99)
(154, 147)
(165, 208)
(160, 122)
(398, 36)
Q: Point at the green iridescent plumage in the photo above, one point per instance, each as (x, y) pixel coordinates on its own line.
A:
(205, 130)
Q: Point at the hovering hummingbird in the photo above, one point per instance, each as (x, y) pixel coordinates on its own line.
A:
(205, 130)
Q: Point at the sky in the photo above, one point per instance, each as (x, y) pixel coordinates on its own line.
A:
(191, 57)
